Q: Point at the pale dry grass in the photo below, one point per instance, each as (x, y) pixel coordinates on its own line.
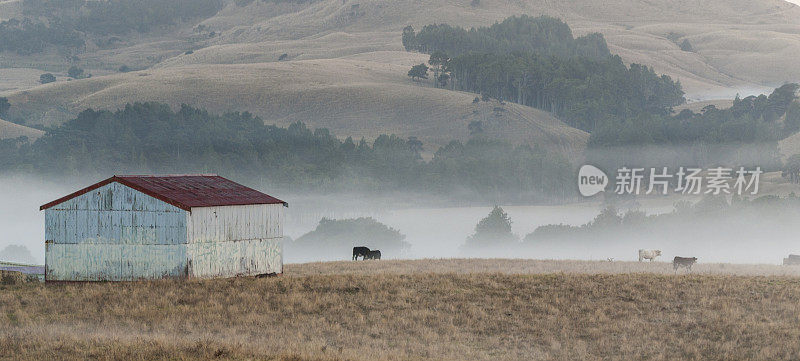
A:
(11, 130)
(739, 43)
(349, 97)
(531, 266)
(407, 313)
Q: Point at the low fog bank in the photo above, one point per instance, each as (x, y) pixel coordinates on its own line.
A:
(731, 92)
(758, 235)
(21, 222)
(755, 234)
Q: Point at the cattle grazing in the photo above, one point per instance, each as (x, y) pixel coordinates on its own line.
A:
(650, 254)
(687, 262)
(360, 252)
(792, 260)
(376, 254)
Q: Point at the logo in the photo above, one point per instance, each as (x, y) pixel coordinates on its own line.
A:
(591, 180)
(687, 180)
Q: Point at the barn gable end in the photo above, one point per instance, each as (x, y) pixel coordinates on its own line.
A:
(124, 229)
(114, 233)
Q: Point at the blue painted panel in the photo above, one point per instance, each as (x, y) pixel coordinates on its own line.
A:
(115, 214)
(107, 262)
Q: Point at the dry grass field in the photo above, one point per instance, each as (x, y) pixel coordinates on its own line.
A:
(413, 310)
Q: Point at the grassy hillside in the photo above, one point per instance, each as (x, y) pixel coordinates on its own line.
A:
(346, 68)
(732, 39)
(349, 96)
(11, 130)
(339, 315)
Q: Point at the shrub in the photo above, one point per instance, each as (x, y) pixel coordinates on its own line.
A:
(47, 78)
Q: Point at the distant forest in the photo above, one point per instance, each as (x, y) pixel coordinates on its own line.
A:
(536, 61)
(152, 138)
(66, 23)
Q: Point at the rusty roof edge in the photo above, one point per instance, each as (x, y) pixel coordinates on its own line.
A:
(76, 193)
(121, 180)
(125, 182)
(109, 181)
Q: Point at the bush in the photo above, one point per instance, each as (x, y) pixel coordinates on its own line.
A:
(686, 46)
(4, 107)
(75, 72)
(47, 78)
(124, 69)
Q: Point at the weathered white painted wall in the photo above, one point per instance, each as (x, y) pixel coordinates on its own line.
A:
(115, 214)
(235, 258)
(114, 233)
(235, 240)
(234, 223)
(114, 262)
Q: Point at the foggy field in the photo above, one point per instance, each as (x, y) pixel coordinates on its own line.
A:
(530, 266)
(427, 309)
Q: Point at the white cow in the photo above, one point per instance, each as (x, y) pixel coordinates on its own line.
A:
(650, 254)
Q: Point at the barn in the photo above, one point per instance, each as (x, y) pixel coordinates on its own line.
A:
(163, 226)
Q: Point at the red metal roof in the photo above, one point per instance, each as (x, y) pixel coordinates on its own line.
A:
(184, 191)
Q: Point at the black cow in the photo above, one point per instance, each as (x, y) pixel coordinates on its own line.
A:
(687, 262)
(376, 254)
(360, 252)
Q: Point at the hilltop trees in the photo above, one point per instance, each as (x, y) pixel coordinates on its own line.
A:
(543, 35)
(419, 71)
(26, 37)
(65, 23)
(537, 62)
(438, 62)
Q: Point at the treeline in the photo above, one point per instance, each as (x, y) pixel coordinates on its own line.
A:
(537, 62)
(542, 35)
(66, 23)
(627, 109)
(746, 134)
(711, 215)
(28, 37)
(151, 138)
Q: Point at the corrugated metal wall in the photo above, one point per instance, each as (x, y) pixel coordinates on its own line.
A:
(116, 233)
(115, 214)
(235, 240)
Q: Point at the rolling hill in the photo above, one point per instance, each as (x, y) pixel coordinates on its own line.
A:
(345, 66)
(349, 96)
(10, 130)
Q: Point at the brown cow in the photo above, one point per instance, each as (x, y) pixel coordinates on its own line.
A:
(687, 262)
